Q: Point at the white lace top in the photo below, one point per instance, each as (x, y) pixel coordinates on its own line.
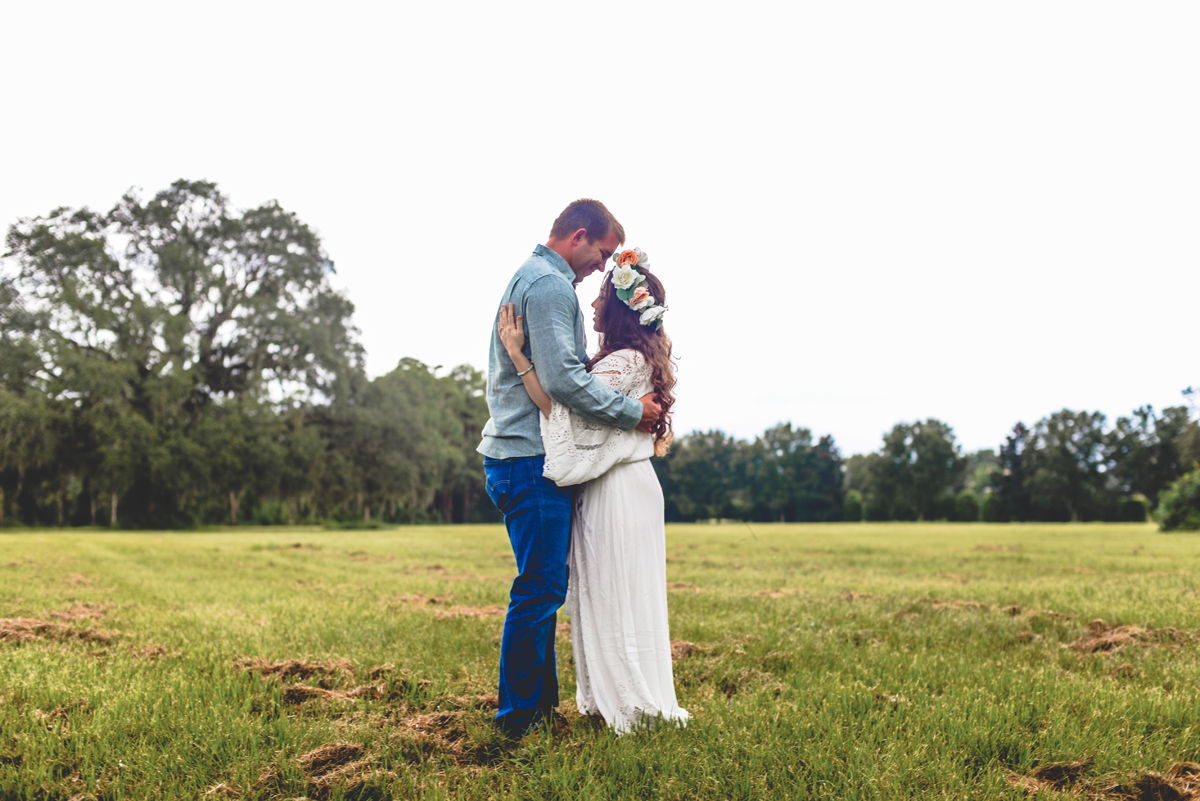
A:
(578, 450)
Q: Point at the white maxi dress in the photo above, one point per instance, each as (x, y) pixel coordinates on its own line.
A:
(617, 593)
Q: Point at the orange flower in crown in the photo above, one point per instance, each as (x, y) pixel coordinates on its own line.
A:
(641, 299)
(629, 286)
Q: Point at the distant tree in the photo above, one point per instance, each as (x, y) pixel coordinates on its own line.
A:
(141, 321)
(29, 439)
(1188, 445)
(305, 462)
(1067, 468)
(852, 507)
(244, 450)
(464, 388)
(704, 476)
(1010, 480)
(980, 466)
(991, 510)
(966, 507)
(792, 478)
(919, 464)
(857, 474)
(1179, 505)
(946, 508)
(1131, 510)
(1144, 450)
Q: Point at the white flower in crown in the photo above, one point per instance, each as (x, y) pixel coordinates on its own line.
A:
(625, 277)
(632, 257)
(641, 299)
(651, 314)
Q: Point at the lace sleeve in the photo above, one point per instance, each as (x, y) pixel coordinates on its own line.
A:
(578, 450)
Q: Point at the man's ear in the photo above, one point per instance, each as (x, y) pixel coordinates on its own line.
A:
(578, 237)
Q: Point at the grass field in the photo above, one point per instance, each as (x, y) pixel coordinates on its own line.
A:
(818, 661)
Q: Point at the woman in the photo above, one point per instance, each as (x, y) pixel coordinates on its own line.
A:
(617, 597)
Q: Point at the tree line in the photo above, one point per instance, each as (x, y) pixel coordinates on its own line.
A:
(174, 362)
(1069, 466)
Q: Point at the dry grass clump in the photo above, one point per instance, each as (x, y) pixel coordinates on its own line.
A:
(329, 675)
(751, 680)
(362, 556)
(329, 756)
(466, 702)
(1050, 613)
(22, 629)
(299, 693)
(681, 649)
(469, 611)
(334, 769)
(1102, 638)
(61, 713)
(295, 668)
(147, 652)
(80, 612)
(1051, 776)
(941, 605)
(446, 735)
(780, 593)
(1180, 783)
(417, 598)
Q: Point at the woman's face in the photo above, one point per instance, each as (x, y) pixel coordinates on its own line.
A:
(596, 306)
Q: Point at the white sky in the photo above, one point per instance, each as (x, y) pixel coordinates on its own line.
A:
(863, 212)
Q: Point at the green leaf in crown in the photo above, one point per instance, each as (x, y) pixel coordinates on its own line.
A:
(626, 294)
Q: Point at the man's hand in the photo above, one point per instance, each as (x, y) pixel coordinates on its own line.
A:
(650, 412)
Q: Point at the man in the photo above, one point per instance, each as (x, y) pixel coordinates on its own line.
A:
(537, 512)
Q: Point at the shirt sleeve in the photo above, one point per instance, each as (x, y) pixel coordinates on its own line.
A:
(550, 312)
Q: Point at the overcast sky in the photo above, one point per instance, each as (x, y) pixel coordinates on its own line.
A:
(863, 213)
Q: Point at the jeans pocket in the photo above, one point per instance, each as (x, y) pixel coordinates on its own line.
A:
(497, 478)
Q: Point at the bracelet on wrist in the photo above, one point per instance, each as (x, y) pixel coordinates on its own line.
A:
(521, 373)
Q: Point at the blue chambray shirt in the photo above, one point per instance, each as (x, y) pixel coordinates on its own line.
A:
(543, 290)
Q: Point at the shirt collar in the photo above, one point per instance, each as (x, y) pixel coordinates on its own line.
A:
(558, 261)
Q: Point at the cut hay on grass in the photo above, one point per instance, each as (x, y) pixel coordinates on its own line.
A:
(300, 693)
(1102, 638)
(861, 662)
(21, 630)
(1181, 782)
(470, 611)
(295, 668)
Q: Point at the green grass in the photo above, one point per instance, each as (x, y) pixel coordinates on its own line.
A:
(831, 661)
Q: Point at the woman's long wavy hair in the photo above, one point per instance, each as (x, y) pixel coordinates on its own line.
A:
(620, 329)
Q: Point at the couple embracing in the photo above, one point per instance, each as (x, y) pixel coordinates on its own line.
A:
(566, 457)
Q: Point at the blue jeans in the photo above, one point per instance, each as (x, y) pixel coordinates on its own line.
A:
(537, 514)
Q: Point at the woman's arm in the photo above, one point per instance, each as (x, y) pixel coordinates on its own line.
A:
(552, 340)
(512, 333)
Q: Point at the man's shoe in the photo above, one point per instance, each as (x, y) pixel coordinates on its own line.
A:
(522, 729)
(548, 720)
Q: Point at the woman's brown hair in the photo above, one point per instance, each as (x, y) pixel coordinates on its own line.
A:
(620, 328)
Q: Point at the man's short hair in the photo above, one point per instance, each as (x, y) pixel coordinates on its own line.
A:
(589, 214)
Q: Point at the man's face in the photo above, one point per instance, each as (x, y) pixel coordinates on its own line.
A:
(591, 256)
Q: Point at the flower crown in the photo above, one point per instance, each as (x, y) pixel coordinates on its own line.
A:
(628, 281)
